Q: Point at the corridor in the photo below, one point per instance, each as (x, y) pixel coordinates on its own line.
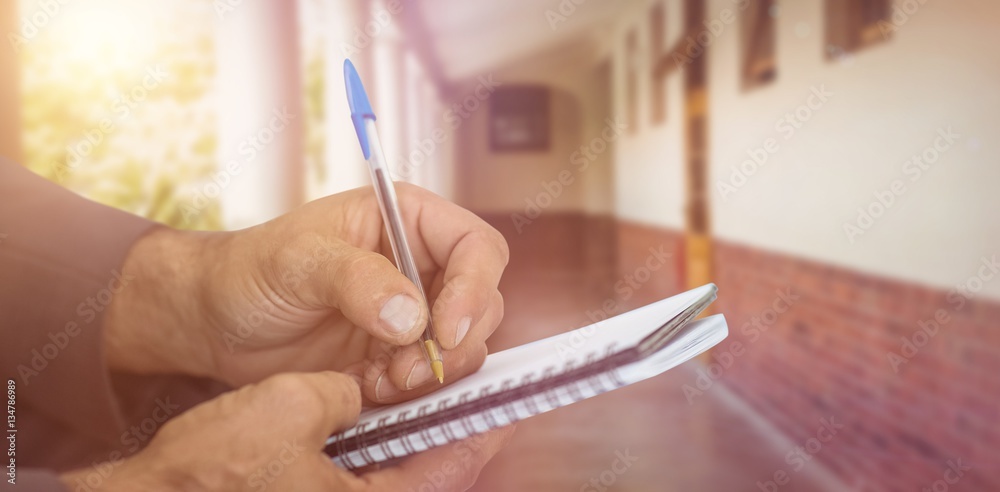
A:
(829, 164)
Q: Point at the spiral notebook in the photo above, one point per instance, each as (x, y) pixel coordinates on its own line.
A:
(540, 376)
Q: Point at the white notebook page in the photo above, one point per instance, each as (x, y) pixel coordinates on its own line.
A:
(530, 362)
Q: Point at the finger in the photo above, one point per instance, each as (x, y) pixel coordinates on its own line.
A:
(470, 283)
(408, 368)
(471, 252)
(488, 322)
(369, 291)
(312, 406)
(387, 388)
(455, 466)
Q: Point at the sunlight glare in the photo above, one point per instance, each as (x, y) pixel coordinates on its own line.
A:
(105, 36)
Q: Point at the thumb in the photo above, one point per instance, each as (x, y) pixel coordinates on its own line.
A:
(307, 406)
(370, 292)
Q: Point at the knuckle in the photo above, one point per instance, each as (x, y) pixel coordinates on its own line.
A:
(498, 304)
(475, 359)
(360, 265)
(291, 390)
(300, 245)
(345, 389)
(299, 254)
(495, 238)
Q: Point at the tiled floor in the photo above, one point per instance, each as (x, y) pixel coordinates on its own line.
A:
(713, 444)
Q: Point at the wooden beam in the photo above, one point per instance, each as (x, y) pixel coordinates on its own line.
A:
(698, 243)
(666, 64)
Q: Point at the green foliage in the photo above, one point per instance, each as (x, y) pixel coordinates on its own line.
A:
(83, 129)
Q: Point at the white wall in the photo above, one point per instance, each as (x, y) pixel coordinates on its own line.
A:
(500, 182)
(505, 182)
(395, 81)
(649, 172)
(938, 70)
(259, 114)
(345, 165)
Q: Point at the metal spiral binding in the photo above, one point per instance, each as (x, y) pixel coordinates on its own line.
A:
(573, 388)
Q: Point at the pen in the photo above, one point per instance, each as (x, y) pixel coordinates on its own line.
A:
(364, 124)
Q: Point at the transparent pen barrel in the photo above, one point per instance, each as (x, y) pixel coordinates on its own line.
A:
(385, 192)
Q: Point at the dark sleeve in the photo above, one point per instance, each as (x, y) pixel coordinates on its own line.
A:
(37, 481)
(60, 265)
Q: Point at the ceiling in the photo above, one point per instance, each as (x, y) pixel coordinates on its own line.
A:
(474, 37)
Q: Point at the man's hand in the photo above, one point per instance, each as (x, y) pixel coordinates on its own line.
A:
(270, 436)
(313, 290)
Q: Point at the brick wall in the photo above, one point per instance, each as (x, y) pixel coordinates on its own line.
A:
(641, 244)
(827, 355)
(824, 356)
(550, 241)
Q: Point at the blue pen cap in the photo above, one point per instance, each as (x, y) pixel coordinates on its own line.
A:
(357, 100)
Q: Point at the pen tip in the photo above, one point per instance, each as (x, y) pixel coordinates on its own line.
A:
(438, 368)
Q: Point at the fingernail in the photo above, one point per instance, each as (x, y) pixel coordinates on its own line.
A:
(399, 313)
(420, 373)
(384, 389)
(463, 329)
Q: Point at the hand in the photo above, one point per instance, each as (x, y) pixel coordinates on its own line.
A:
(270, 436)
(313, 290)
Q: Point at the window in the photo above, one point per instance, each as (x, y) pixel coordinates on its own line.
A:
(855, 24)
(759, 63)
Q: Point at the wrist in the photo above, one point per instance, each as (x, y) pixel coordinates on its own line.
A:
(154, 324)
